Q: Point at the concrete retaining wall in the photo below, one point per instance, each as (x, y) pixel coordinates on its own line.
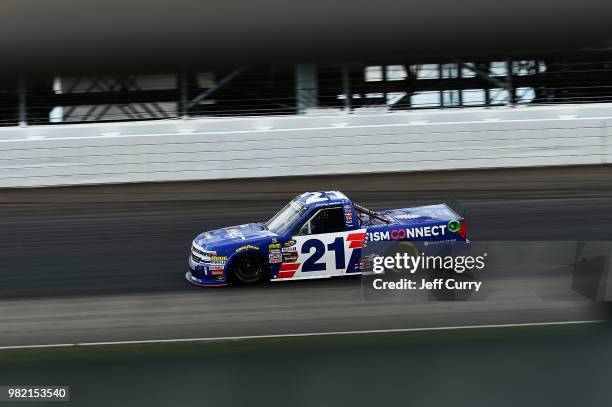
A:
(195, 149)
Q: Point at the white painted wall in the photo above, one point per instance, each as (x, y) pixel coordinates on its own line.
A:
(302, 145)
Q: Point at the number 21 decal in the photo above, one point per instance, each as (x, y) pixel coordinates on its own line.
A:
(337, 246)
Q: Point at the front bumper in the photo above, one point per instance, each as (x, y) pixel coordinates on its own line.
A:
(207, 282)
(200, 274)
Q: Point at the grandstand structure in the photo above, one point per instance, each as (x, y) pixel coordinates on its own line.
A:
(379, 85)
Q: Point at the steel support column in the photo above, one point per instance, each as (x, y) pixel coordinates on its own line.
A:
(346, 88)
(511, 88)
(183, 109)
(23, 102)
(306, 87)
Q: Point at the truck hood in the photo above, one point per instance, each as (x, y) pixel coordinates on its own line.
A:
(233, 234)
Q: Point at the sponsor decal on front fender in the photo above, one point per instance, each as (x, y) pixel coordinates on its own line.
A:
(246, 247)
(290, 257)
(275, 258)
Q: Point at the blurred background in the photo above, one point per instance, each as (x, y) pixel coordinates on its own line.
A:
(73, 62)
(126, 128)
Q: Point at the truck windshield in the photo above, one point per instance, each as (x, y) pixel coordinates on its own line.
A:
(286, 217)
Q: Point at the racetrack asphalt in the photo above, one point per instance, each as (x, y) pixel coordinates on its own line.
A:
(107, 263)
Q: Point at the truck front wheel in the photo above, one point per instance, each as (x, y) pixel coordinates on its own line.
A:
(247, 268)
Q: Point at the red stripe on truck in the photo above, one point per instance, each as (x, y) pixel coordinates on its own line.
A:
(356, 245)
(352, 237)
(289, 266)
(356, 240)
(287, 270)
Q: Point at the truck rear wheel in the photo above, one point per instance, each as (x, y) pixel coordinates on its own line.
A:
(401, 248)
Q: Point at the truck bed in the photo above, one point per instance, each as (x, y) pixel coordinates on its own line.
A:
(421, 214)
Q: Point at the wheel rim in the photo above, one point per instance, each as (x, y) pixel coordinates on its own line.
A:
(248, 268)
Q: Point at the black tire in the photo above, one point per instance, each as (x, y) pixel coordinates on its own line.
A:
(247, 269)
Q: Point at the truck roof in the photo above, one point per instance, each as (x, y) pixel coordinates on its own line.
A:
(322, 198)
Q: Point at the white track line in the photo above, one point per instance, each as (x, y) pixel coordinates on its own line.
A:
(237, 338)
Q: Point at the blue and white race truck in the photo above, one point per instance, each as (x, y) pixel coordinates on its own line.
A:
(316, 235)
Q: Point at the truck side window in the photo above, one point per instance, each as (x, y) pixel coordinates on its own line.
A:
(328, 220)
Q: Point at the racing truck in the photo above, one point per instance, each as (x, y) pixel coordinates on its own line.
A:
(316, 235)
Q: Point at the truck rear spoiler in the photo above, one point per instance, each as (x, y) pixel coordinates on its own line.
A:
(455, 206)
